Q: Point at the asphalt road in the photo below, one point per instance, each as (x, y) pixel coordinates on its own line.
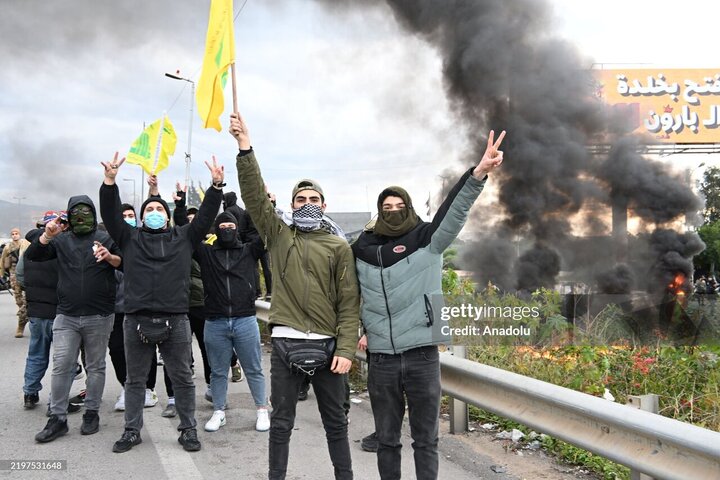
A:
(236, 451)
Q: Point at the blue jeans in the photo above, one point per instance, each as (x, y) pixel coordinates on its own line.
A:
(93, 332)
(415, 375)
(331, 393)
(38, 356)
(222, 335)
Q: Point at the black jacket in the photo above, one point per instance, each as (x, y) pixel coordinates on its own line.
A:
(228, 276)
(85, 286)
(41, 282)
(156, 264)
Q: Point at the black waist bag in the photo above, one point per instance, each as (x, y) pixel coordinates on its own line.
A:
(305, 356)
(153, 330)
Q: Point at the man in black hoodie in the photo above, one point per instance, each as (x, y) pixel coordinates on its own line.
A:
(87, 259)
(156, 262)
(227, 274)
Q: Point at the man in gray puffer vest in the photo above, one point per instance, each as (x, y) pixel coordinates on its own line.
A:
(399, 268)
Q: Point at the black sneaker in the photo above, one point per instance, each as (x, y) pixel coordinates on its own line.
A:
(370, 443)
(188, 439)
(129, 439)
(71, 408)
(78, 399)
(91, 422)
(30, 401)
(55, 428)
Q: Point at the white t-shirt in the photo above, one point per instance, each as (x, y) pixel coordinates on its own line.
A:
(281, 331)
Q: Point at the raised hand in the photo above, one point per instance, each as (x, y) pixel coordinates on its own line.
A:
(53, 228)
(111, 169)
(179, 192)
(154, 189)
(239, 130)
(492, 158)
(217, 171)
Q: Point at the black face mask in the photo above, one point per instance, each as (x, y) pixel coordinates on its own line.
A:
(227, 236)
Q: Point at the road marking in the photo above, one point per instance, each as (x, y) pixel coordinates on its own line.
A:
(176, 462)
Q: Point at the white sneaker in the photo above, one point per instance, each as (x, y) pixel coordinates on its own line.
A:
(263, 420)
(151, 398)
(120, 404)
(216, 421)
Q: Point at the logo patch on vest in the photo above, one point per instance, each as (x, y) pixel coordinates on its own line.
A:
(399, 249)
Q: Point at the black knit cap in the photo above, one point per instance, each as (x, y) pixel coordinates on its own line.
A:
(154, 199)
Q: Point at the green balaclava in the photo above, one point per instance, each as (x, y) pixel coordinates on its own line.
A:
(398, 222)
(83, 212)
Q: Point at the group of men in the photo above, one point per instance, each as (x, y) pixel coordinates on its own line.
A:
(388, 283)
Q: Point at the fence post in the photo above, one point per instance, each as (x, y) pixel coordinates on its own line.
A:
(649, 403)
(458, 409)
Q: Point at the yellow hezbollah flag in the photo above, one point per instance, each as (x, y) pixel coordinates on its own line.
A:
(154, 147)
(219, 54)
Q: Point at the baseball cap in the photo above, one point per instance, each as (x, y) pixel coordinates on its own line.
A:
(307, 184)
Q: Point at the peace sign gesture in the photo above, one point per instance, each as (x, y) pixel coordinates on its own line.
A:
(492, 158)
(217, 171)
(111, 169)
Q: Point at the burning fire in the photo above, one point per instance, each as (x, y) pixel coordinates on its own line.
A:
(676, 286)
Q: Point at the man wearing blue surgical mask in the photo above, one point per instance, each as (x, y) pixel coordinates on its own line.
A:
(128, 213)
(157, 261)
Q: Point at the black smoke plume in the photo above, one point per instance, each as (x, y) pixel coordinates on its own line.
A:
(503, 69)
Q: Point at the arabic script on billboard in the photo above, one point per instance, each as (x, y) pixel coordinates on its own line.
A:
(673, 105)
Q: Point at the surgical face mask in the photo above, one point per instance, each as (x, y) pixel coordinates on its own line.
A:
(131, 221)
(154, 220)
(308, 217)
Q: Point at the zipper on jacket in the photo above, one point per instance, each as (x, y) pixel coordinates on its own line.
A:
(227, 281)
(307, 284)
(387, 307)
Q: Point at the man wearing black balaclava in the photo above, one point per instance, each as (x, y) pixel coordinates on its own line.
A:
(87, 259)
(399, 267)
(157, 260)
(227, 269)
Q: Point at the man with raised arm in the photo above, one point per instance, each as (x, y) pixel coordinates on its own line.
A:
(315, 308)
(157, 277)
(399, 264)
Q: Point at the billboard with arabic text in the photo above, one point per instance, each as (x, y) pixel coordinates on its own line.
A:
(671, 105)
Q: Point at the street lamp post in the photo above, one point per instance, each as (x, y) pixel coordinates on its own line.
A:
(133, 181)
(19, 199)
(188, 155)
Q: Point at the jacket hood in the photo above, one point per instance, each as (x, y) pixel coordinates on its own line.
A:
(230, 199)
(394, 191)
(77, 200)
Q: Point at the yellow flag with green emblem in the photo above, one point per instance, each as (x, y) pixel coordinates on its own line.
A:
(219, 54)
(154, 147)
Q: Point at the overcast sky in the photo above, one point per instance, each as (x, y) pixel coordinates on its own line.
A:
(344, 98)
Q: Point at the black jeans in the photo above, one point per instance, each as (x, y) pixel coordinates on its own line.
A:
(330, 393)
(176, 354)
(416, 374)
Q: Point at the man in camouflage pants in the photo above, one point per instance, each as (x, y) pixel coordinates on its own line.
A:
(10, 256)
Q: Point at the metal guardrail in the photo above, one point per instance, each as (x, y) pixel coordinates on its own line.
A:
(652, 444)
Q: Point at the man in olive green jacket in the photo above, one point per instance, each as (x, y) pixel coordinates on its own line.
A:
(315, 298)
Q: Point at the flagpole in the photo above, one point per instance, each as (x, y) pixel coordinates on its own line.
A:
(234, 92)
(159, 143)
